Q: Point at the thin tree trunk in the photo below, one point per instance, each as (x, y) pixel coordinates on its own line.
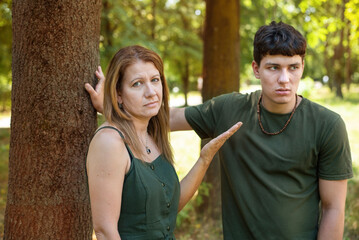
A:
(153, 23)
(185, 72)
(107, 29)
(339, 57)
(185, 80)
(220, 74)
(55, 50)
(348, 62)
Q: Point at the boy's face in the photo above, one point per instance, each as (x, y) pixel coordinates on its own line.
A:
(280, 76)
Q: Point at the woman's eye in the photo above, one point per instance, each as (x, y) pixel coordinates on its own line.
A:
(136, 84)
(155, 79)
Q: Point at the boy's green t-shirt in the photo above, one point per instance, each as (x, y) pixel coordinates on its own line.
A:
(270, 183)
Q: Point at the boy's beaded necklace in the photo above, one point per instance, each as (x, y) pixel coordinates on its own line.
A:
(286, 124)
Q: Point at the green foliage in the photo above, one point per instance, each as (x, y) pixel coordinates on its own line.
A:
(170, 28)
(254, 14)
(305, 87)
(4, 156)
(5, 38)
(5, 56)
(194, 225)
(332, 28)
(352, 211)
(186, 215)
(333, 38)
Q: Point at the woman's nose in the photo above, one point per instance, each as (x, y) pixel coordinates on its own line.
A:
(150, 90)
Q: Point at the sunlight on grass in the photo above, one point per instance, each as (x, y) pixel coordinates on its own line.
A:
(186, 147)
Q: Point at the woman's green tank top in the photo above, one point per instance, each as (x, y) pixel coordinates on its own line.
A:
(150, 199)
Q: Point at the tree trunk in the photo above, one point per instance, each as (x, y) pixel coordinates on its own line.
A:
(107, 29)
(185, 80)
(338, 57)
(55, 51)
(220, 74)
(348, 62)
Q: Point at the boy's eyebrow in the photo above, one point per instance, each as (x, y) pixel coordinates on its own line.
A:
(277, 64)
(272, 64)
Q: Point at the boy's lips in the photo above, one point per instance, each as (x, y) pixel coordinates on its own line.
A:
(283, 91)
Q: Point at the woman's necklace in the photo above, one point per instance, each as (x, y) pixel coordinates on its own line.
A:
(285, 125)
(148, 150)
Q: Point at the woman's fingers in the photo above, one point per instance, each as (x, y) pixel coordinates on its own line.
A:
(210, 149)
(227, 134)
(96, 93)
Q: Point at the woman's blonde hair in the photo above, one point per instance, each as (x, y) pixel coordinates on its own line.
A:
(158, 127)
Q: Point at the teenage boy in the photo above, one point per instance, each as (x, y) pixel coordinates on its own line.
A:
(290, 154)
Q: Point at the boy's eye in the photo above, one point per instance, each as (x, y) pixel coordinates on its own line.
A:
(273, 68)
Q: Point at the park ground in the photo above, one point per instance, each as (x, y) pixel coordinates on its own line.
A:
(192, 225)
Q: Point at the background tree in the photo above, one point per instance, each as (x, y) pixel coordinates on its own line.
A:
(171, 28)
(332, 29)
(183, 48)
(5, 56)
(220, 73)
(55, 50)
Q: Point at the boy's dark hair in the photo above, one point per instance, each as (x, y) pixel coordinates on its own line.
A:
(278, 39)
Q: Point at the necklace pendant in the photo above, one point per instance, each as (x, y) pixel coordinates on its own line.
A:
(148, 150)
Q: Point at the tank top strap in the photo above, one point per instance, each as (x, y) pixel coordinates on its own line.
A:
(119, 132)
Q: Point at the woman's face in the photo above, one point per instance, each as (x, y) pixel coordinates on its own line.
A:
(141, 93)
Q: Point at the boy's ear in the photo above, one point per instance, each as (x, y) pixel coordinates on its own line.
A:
(255, 68)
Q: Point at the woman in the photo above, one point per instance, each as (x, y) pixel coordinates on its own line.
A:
(134, 189)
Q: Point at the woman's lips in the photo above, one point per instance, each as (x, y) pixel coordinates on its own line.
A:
(151, 104)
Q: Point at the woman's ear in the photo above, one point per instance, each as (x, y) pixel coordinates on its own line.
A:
(119, 97)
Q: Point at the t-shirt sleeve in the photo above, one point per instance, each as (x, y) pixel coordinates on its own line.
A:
(203, 118)
(335, 161)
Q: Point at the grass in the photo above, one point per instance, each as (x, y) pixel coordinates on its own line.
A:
(186, 150)
(4, 156)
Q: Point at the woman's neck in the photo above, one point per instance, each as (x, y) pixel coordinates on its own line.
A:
(140, 128)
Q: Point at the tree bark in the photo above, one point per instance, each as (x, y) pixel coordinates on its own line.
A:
(55, 51)
(220, 74)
